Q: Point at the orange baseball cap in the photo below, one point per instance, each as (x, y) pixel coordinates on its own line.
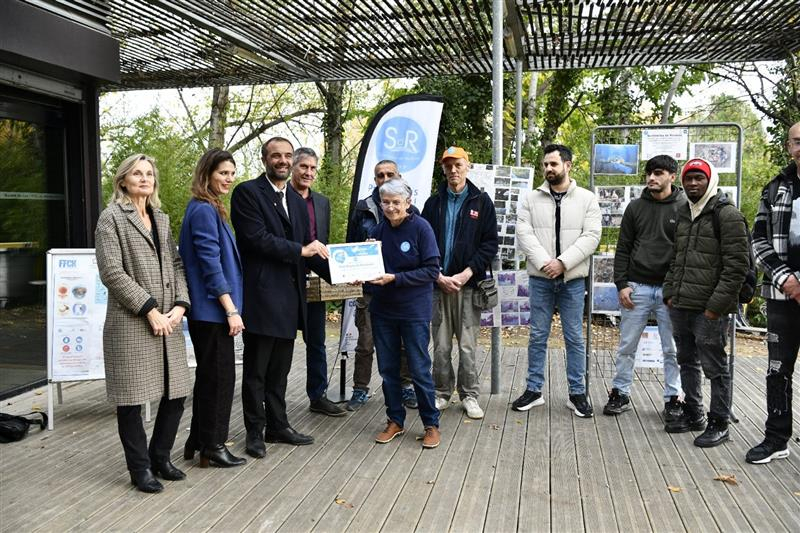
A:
(455, 152)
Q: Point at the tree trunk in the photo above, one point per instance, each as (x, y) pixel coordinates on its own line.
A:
(333, 122)
(219, 117)
(671, 94)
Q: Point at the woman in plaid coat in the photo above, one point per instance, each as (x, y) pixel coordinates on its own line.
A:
(143, 345)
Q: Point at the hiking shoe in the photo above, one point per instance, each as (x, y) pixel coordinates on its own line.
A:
(528, 399)
(357, 400)
(766, 452)
(326, 407)
(617, 403)
(687, 421)
(392, 430)
(579, 406)
(472, 408)
(442, 403)
(410, 398)
(715, 434)
(431, 438)
(672, 410)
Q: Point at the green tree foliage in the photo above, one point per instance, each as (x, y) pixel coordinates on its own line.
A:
(467, 114)
(175, 155)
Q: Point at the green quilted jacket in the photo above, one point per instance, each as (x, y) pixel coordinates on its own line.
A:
(707, 273)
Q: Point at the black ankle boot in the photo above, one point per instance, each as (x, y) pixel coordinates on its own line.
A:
(165, 469)
(189, 449)
(220, 456)
(145, 481)
(715, 434)
(687, 421)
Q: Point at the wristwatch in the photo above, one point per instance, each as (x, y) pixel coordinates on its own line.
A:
(229, 314)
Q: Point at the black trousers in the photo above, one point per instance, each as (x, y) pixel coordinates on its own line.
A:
(134, 438)
(267, 361)
(701, 344)
(214, 380)
(783, 342)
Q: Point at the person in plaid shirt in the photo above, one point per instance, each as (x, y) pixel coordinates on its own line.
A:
(776, 246)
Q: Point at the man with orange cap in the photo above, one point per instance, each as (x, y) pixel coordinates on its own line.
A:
(464, 222)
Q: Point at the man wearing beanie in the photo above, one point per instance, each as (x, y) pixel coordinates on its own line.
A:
(702, 289)
(641, 260)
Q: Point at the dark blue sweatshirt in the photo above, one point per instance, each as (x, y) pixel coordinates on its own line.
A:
(411, 254)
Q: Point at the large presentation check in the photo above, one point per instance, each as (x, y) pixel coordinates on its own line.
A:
(355, 261)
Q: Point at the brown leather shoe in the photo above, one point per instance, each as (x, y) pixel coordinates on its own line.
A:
(431, 438)
(392, 430)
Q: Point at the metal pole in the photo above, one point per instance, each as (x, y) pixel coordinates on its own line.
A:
(497, 145)
(518, 115)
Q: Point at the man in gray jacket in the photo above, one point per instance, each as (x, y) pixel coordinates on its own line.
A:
(641, 260)
(702, 289)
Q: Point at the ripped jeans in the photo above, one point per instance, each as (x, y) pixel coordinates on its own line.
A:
(701, 344)
(783, 341)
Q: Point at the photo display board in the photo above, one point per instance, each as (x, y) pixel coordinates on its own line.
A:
(504, 185)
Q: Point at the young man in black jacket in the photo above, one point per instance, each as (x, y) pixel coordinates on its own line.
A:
(641, 261)
(464, 221)
(776, 245)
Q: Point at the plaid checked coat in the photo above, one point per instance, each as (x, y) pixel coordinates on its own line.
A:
(771, 234)
(129, 268)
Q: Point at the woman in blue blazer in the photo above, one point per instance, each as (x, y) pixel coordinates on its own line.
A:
(214, 276)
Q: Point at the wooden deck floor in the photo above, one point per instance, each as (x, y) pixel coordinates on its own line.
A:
(543, 470)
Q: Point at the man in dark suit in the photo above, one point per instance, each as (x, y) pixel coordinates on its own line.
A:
(304, 173)
(274, 241)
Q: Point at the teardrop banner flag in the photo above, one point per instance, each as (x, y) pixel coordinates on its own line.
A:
(404, 131)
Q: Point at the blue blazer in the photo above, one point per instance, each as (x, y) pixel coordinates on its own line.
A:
(213, 268)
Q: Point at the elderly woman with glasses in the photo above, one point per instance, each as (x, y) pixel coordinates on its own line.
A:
(401, 309)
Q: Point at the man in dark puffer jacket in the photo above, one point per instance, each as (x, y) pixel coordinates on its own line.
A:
(702, 289)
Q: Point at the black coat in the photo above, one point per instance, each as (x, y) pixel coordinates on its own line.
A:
(270, 246)
(475, 240)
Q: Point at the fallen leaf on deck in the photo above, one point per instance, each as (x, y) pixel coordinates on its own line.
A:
(343, 503)
(467, 421)
(494, 426)
(796, 493)
(519, 422)
(674, 489)
(230, 443)
(725, 478)
(431, 481)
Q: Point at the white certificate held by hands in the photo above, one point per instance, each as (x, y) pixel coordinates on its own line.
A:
(355, 261)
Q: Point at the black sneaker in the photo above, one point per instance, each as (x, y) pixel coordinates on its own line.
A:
(673, 409)
(687, 421)
(766, 452)
(617, 403)
(715, 434)
(528, 399)
(579, 406)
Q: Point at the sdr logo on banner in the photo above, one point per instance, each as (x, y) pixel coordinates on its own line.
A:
(402, 140)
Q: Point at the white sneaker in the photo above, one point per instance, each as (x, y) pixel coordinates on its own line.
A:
(442, 403)
(472, 408)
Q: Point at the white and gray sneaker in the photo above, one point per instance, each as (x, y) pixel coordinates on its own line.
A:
(472, 408)
(442, 403)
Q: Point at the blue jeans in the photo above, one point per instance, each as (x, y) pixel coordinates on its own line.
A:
(544, 294)
(316, 357)
(646, 299)
(415, 336)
